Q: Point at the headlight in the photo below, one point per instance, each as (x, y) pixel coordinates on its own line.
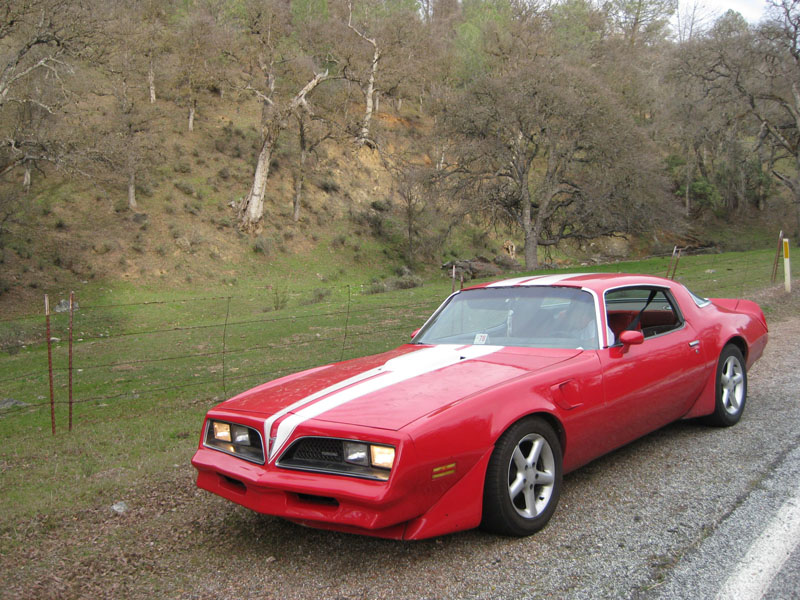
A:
(238, 440)
(222, 431)
(356, 453)
(381, 456)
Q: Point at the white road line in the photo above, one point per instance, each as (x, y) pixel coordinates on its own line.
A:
(766, 556)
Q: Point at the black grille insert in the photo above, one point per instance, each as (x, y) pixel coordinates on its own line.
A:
(326, 455)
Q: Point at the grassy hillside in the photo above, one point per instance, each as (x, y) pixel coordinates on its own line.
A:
(74, 232)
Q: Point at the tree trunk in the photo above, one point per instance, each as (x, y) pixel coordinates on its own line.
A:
(688, 183)
(252, 208)
(298, 185)
(26, 178)
(132, 189)
(531, 238)
(151, 82)
(369, 93)
(192, 108)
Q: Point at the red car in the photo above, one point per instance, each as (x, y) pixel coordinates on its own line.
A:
(505, 388)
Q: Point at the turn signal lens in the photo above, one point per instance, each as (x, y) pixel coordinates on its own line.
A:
(382, 456)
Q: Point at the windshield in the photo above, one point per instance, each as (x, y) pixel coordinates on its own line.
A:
(532, 317)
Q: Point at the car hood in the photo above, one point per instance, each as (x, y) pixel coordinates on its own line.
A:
(389, 391)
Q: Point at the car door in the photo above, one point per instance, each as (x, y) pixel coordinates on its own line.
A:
(656, 382)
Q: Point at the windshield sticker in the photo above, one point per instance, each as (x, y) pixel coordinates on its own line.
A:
(481, 338)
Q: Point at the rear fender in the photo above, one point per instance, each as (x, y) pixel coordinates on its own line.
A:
(747, 307)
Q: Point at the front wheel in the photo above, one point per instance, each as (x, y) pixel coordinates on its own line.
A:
(523, 479)
(731, 393)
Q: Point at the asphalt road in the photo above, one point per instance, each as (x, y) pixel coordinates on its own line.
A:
(680, 513)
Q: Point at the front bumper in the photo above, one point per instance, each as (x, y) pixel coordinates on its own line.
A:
(301, 496)
(411, 505)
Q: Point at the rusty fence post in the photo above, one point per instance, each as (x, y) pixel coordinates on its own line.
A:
(673, 262)
(224, 345)
(346, 323)
(50, 363)
(71, 315)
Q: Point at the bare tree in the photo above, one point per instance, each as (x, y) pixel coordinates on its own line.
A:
(197, 46)
(282, 77)
(311, 133)
(39, 42)
(642, 20)
(755, 73)
(123, 146)
(548, 144)
(390, 33)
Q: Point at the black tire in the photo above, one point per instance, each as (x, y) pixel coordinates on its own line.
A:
(519, 502)
(731, 388)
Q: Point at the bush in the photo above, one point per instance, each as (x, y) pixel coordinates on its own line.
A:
(280, 298)
(376, 287)
(318, 295)
(262, 244)
(406, 282)
(329, 186)
(186, 188)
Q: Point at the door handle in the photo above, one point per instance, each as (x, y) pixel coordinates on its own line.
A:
(694, 344)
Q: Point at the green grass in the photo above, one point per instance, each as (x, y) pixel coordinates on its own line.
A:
(147, 366)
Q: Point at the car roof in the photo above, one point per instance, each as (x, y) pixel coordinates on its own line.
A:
(597, 282)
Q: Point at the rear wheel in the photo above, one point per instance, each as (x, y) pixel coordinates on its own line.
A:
(731, 392)
(523, 479)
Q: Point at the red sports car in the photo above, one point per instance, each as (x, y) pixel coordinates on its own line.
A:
(505, 388)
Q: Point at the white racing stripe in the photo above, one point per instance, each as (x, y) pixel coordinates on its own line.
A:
(394, 371)
(536, 280)
(764, 559)
(328, 390)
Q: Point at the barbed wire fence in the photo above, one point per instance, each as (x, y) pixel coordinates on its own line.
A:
(204, 349)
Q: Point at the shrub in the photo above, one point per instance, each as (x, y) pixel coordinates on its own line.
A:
(376, 287)
(186, 188)
(318, 295)
(280, 298)
(262, 244)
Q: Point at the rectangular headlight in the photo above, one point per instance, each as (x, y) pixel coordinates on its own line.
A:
(381, 456)
(356, 453)
(222, 431)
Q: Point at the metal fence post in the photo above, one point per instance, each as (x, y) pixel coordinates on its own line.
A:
(224, 345)
(346, 323)
(71, 314)
(777, 257)
(50, 364)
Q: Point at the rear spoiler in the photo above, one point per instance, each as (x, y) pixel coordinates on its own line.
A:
(747, 307)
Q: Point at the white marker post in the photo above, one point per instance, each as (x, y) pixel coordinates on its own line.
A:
(787, 271)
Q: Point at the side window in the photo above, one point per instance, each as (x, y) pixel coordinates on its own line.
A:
(650, 310)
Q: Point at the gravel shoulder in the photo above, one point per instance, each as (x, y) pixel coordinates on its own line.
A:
(622, 527)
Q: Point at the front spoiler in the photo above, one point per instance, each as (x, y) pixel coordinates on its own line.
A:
(380, 509)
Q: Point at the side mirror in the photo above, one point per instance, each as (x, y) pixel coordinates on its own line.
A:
(414, 333)
(631, 338)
